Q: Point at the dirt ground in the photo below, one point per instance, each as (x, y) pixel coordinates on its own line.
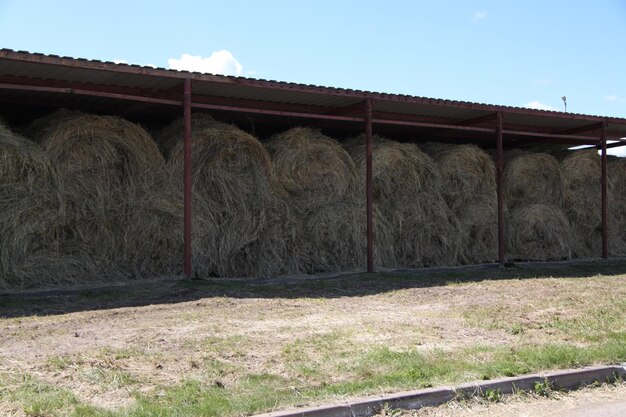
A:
(104, 345)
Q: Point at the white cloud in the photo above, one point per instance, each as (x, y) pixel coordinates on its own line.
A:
(614, 98)
(120, 61)
(543, 81)
(538, 105)
(220, 62)
(482, 15)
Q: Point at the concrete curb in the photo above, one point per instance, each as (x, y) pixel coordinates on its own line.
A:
(567, 379)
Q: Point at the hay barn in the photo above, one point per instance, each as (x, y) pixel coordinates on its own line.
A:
(113, 172)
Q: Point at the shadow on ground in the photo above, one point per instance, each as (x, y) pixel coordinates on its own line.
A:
(175, 290)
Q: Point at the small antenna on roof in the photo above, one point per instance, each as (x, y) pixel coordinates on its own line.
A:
(564, 102)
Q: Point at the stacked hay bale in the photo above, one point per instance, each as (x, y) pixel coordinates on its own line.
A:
(469, 187)
(537, 228)
(617, 206)
(407, 191)
(111, 174)
(24, 170)
(322, 188)
(582, 201)
(242, 227)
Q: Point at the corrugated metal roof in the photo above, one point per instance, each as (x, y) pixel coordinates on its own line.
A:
(27, 66)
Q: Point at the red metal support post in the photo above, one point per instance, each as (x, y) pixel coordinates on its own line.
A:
(603, 181)
(500, 177)
(187, 268)
(369, 185)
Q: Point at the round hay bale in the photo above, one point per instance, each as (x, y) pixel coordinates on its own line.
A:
(396, 167)
(467, 173)
(313, 168)
(533, 178)
(334, 238)
(43, 244)
(23, 161)
(617, 206)
(479, 231)
(239, 218)
(582, 201)
(538, 232)
(407, 186)
(98, 153)
(426, 232)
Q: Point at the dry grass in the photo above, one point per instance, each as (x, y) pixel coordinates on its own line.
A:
(538, 232)
(311, 343)
(533, 178)
(242, 225)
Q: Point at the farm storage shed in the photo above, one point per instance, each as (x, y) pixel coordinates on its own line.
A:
(248, 216)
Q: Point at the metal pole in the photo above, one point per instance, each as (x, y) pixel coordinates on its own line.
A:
(500, 177)
(603, 181)
(369, 186)
(187, 179)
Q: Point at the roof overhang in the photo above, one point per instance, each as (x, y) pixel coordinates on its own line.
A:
(28, 79)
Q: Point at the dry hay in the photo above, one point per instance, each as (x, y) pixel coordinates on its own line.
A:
(538, 232)
(468, 173)
(314, 169)
(406, 185)
(533, 178)
(425, 232)
(110, 172)
(396, 167)
(617, 206)
(582, 201)
(334, 238)
(479, 228)
(22, 160)
(42, 245)
(241, 225)
(98, 154)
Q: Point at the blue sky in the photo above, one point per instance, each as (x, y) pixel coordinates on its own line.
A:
(519, 53)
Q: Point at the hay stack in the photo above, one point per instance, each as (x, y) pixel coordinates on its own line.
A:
(617, 206)
(313, 168)
(538, 232)
(241, 226)
(479, 225)
(582, 201)
(407, 187)
(469, 187)
(22, 161)
(111, 173)
(533, 178)
(468, 173)
(320, 182)
(98, 153)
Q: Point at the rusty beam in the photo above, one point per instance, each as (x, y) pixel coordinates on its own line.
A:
(369, 185)
(93, 93)
(581, 129)
(477, 120)
(616, 144)
(603, 183)
(500, 179)
(187, 172)
(277, 112)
